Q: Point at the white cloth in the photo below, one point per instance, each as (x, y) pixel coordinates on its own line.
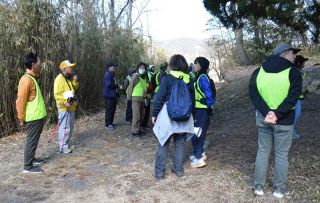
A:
(165, 127)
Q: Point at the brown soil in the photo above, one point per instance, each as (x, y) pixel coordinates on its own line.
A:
(113, 166)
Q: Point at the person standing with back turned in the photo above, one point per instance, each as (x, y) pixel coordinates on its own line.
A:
(274, 90)
(178, 71)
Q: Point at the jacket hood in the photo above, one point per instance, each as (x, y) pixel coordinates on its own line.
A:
(180, 74)
(276, 64)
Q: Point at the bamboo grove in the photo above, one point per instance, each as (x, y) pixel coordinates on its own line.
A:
(57, 30)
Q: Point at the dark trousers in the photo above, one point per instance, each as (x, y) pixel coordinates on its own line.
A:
(34, 129)
(110, 110)
(146, 117)
(129, 111)
(201, 120)
(178, 156)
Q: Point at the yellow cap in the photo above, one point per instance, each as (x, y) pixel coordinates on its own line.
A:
(66, 63)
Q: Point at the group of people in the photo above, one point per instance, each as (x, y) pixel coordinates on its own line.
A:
(31, 108)
(276, 90)
(147, 89)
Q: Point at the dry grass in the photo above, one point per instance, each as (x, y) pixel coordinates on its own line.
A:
(112, 166)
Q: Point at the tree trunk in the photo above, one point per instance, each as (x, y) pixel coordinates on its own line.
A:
(104, 16)
(243, 57)
(256, 32)
(129, 19)
(112, 14)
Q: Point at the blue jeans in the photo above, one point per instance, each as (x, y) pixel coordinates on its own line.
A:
(201, 120)
(297, 113)
(66, 124)
(281, 137)
(178, 156)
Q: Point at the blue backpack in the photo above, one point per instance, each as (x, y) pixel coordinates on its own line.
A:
(179, 105)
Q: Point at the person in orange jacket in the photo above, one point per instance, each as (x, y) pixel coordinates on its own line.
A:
(31, 111)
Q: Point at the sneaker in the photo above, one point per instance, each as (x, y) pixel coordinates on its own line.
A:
(66, 151)
(258, 190)
(204, 157)
(110, 127)
(198, 163)
(37, 162)
(33, 170)
(280, 193)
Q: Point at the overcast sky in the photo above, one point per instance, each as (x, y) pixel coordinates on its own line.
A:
(170, 19)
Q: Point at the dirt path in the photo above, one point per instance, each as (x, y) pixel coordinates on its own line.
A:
(112, 166)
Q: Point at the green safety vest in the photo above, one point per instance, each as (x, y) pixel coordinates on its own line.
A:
(199, 95)
(35, 109)
(273, 87)
(140, 89)
(157, 82)
(150, 74)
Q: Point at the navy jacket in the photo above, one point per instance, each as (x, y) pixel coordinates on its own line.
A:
(164, 92)
(109, 85)
(285, 112)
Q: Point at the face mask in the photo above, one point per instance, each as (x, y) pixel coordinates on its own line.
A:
(142, 71)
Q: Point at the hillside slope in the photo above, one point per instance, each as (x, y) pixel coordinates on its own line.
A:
(113, 166)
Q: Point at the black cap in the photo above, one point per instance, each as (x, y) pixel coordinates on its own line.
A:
(111, 64)
(203, 62)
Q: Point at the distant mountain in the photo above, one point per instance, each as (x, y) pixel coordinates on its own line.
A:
(188, 47)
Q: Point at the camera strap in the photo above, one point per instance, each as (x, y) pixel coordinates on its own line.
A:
(68, 84)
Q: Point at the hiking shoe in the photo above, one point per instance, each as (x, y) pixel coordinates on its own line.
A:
(204, 157)
(159, 177)
(33, 170)
(280, 192)
(198, 163)
(66, 151)
(258, 190)
(178, 173)
(37, 162)
(139, 134)
(110, 127)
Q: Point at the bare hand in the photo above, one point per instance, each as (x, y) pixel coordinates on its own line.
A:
(153, 120)
(68, 104)
(75, 78)
(271, 118)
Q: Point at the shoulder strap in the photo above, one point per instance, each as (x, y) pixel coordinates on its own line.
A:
(67, 83)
